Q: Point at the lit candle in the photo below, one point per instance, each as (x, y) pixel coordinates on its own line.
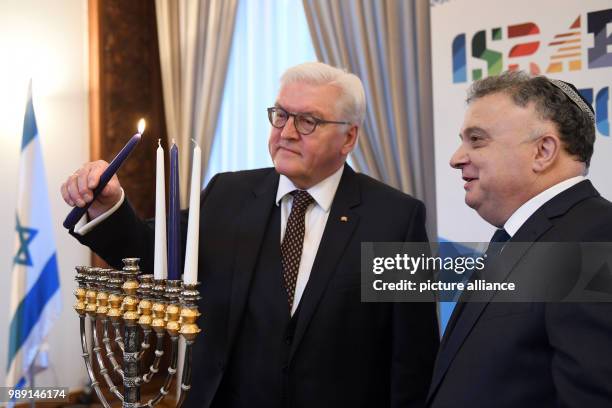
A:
(77, 212)
(193, 226)
(174, 215)
(160, 266)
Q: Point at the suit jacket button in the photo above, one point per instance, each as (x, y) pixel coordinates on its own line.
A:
(288, 339)
(285, 369)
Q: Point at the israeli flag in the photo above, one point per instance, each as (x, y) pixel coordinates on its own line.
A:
(35, 294)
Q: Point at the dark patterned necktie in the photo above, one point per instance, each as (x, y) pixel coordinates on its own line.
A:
(497, 243)
(493, 250)
(291, 248)
(500, 236)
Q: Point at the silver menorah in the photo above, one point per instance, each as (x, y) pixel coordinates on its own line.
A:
(135, 305)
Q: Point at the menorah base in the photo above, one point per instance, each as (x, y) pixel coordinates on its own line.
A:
(132, 303)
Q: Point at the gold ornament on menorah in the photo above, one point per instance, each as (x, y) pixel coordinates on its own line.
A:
(140, 306)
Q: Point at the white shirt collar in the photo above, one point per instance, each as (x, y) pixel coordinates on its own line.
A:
(322, 192)
(522, 214)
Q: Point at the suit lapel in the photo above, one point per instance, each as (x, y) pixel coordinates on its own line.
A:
(467, 315)
(338, 232)
(252, 224)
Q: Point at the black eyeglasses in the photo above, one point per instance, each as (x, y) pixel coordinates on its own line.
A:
(304, 123)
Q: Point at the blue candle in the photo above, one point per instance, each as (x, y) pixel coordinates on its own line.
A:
(77, 212)
(174, 216)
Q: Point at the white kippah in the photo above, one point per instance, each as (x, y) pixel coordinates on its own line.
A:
(574, 97)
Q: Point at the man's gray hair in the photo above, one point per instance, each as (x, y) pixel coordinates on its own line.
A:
(351, 105)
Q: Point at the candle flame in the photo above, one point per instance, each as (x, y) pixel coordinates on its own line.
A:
(141, 126)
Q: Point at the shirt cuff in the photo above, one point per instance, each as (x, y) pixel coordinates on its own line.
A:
(95, 222)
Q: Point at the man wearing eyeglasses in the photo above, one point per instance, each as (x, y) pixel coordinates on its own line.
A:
(280, 265)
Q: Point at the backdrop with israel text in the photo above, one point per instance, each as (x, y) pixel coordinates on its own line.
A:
(472, 39)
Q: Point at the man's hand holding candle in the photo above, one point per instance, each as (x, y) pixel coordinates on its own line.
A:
(78, 189)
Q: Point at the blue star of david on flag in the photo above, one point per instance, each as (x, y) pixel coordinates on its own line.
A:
(25, 236)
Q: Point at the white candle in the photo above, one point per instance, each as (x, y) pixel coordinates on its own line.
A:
(160, 268)
(193, 226)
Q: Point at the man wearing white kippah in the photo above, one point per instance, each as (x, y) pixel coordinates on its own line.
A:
(282, 318)
(526, 144)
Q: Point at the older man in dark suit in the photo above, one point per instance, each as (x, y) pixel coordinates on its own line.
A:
(526, 144)
(280, 264)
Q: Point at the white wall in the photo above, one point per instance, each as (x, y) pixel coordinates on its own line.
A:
(45, 40)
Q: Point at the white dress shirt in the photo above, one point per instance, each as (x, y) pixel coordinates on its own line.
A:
(85, 228)
(522, 214)
(315, 220)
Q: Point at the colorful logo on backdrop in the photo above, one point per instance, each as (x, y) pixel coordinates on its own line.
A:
(541, 53)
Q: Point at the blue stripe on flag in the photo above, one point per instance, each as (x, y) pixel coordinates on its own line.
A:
(30, 130)
(20, 384)
(29, 310)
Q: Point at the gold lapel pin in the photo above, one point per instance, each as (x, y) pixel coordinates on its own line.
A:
(344, 218)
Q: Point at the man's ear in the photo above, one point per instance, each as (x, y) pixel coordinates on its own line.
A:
(350, 139)
(547, 149)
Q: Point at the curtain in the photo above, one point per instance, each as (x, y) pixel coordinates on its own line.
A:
(194, 43)
(387, 44)
(261, 52)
